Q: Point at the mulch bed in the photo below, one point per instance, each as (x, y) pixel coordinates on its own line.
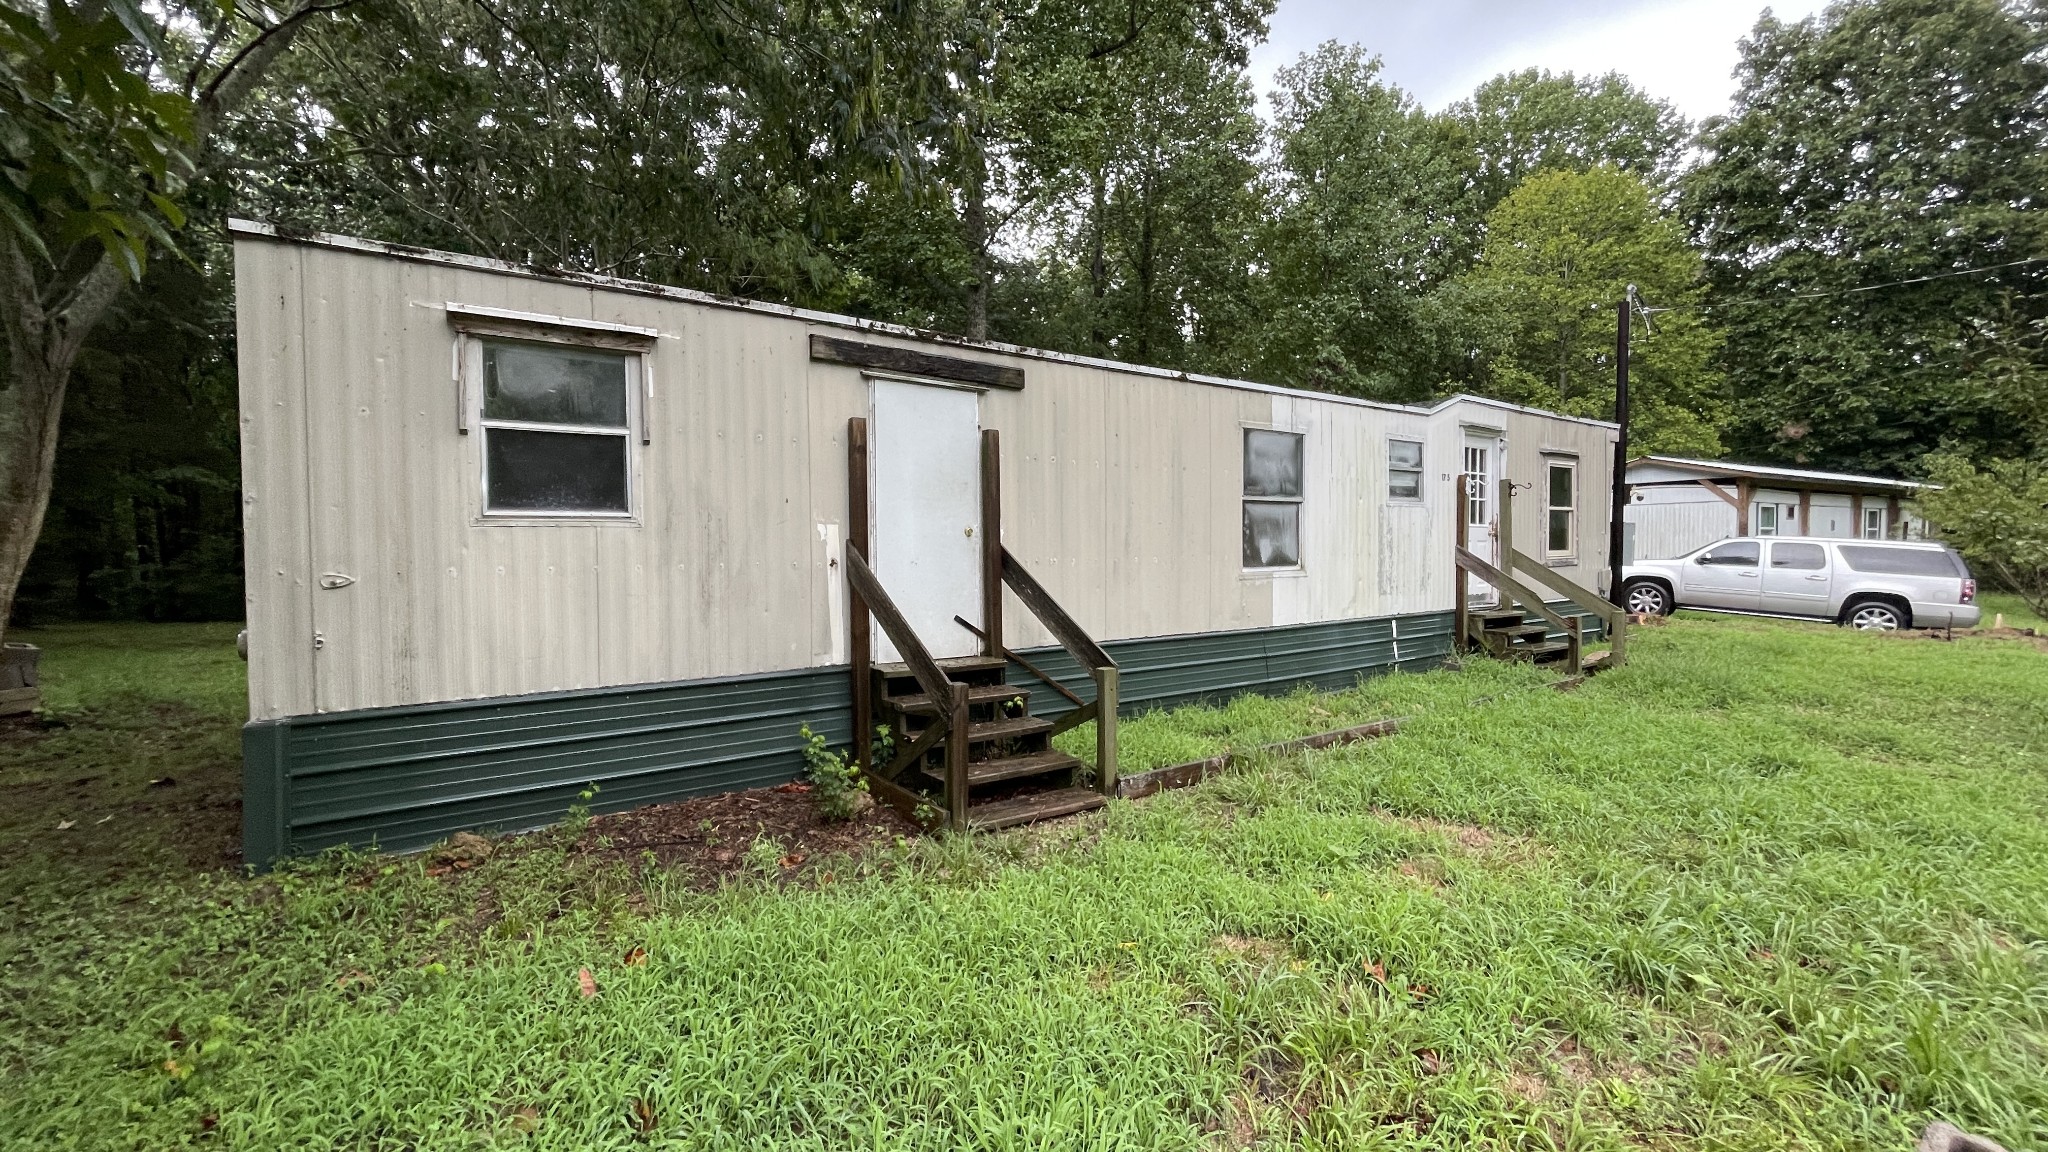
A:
(708, 837)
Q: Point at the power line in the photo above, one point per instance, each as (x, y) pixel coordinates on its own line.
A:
(1850, 291)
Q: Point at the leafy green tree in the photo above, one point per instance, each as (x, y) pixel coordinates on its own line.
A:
(1884, 141)
(1521, 123)
(104, 111)
(1560, 252)
(1370, 200)
(1996, 516)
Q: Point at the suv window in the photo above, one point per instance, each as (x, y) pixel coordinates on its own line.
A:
(1901, 561)
(1808, 557)
(1740, 554)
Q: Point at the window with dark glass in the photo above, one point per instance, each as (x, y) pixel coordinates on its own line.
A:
(1404, 469)
(1272, 499)
(1804, 557)
(557, 433)
(1561, 527)
(1738, 554)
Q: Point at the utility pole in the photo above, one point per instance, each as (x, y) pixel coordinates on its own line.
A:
(1615, 534)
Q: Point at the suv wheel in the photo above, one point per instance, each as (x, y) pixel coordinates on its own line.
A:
(1646, 596)
(1874, 616)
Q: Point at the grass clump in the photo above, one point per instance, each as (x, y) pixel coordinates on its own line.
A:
(1770, 886)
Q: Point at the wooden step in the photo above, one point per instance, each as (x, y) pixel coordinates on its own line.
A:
(1008, 728)
(1521, 631)
(1034, 806)
(1497, 619)
(949, 665)
(1541, 653)
(977, 694)
(981, 772)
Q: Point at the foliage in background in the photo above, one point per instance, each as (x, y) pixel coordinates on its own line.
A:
(1997, 517)
(1522, 123)
(1560, 251)
(1884, 140)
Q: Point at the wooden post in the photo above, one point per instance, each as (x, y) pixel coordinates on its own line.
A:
(1574, 661)
(859, 638)
(1742, 492)
(1504, 516)
(1856, 516)
(991, 544)
(1463, 608)
(1105, 730)
(1893, 530)
(956, 760)
(1805, 512)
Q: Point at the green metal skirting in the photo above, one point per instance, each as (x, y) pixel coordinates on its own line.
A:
(404, 778)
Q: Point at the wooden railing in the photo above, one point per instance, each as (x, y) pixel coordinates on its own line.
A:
(1514, 593)
(1087, 653)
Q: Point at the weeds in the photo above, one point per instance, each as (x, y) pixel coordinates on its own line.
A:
(1770, 886)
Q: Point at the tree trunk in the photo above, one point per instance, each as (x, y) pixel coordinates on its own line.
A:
(1098, 263)
(977, 246)
(41, 346)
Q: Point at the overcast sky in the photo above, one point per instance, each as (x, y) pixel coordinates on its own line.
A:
(1439, 50)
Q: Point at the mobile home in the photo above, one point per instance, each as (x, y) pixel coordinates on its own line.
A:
(513, 533)
(1678, 504)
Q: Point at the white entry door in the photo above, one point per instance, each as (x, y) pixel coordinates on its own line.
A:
(925, 450)
(1482, 474)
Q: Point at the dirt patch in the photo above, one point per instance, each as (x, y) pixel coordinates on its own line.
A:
(1427, 871)
(2029, 636)
(1252, 948)
(1526, 1087)
(1581, 1068)
(710, 838)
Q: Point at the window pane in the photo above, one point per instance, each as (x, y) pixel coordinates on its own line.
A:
(1560, 530)
(1767, 520)
(1740, 555)
(1272, 463)
(1271, 535)
(1901, 561)
(1404, 485)
(1808, 557)
(554, 471)
(1561, 495)
(1404, 453)
(554, 385)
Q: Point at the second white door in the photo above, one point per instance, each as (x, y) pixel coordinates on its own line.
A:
(926, 454)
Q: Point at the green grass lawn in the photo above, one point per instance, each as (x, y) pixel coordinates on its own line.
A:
(2014, 609)
(1771, 886)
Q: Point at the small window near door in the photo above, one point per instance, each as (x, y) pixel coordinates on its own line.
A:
(1272, 499)
(1767, 519)
(1873, 523)
(1801, 557)
(557, 429)
(1561, 527)
(1734, 554)
(1404, 469)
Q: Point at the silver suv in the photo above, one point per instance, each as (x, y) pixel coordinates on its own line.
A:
(1879, 584)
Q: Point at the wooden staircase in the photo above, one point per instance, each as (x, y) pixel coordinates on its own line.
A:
(1507, 631)
(1014, 775)
(964, 748)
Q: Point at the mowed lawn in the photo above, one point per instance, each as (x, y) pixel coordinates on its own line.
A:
(1771, 886)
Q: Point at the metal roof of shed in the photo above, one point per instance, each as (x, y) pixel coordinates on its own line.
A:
(1788, 477)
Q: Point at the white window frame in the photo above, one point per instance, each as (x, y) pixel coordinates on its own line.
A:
(1763, 528)
(474, 325)
(1873, 517)
(1244, 447)
(1572, 544)
(1422, 458)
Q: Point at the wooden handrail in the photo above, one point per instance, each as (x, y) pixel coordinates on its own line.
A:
(1509, 586)
(1078, 643)
(938, 687)
(1594, 605)
(1021, 662)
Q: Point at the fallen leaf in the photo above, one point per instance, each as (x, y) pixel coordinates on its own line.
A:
(66, 825)
(208, 1122)
(586, 982)
(1419, 991)
(643, 1116)
(1431, 1062)
(827, 878)
(1377, 971)
(793, 786)
(635, 958)
(525, 1118)
(1127, 945)
(791, 860)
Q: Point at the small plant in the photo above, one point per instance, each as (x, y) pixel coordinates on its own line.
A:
(577, 820)
(764, 856)
(837, 786)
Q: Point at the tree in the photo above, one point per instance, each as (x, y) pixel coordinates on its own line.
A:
(1560, 251)
(1522, 123)
(1996, 516)
(1371, 206)
(1884, 141)
(105, 114)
